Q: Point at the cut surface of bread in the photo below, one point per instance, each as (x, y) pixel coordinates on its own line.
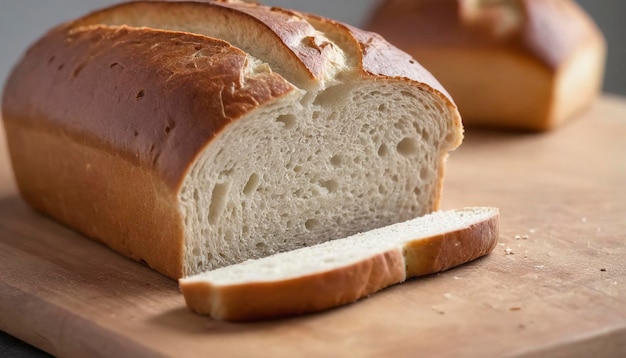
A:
(516, 64)
(170, 133)
(342, 271)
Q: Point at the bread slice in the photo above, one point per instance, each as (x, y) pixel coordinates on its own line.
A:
(517, 64)
(194, 135)
(342, 271)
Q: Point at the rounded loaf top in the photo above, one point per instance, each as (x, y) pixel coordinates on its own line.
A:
(136, 56)
(547, 30)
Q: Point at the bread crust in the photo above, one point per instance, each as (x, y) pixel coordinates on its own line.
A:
(307, 294)
(324, 290)
(86, 88)
(480, 53)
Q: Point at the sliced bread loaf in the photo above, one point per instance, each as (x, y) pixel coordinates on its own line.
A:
(194, 135)
(342, 271)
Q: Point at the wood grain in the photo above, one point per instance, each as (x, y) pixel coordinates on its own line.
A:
(561, 290)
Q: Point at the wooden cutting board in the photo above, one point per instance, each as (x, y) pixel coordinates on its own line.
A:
(560, 290)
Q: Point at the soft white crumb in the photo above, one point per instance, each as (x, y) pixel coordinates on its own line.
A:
(508, 251)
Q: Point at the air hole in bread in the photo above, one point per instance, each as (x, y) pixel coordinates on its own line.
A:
(382, 108)
(299, 193)
(423, 173)
(316, 115)
(330, 96)
(196, 251)
(408, 147)
(330, 185)
(311, 224)
(297, 169)
(383, 150)
(382, 190)
(252, 184)
(336, 160)
(261, 245)
(288, 120)
(139, 96)
(408, 94)
(218, 201)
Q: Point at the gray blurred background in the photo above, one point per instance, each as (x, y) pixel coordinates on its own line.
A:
(23, 21)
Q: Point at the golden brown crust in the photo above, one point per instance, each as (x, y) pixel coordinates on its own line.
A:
(311, 293)
(316, 292)
(440, 253)
(133, 211)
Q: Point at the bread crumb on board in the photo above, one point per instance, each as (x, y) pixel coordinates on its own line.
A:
(508, 251)
(438, 310)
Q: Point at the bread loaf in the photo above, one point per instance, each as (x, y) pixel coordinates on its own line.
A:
(515, 64)
(195, 135)
(342, 271)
